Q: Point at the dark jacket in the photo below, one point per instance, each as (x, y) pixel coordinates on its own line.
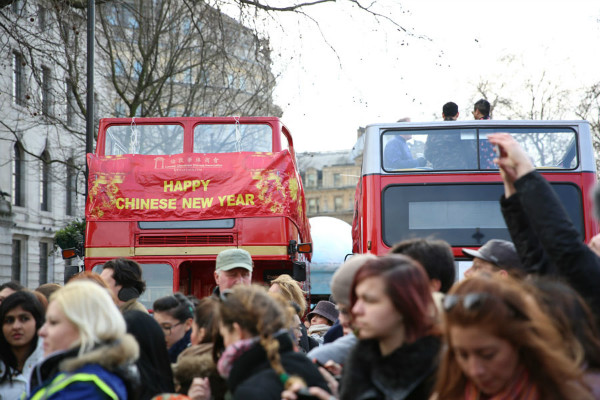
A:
(407, 373)
(102, 373)
(252, 377)
(547, 240)
(182, 344)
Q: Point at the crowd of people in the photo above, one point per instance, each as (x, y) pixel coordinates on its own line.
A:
(522, 324)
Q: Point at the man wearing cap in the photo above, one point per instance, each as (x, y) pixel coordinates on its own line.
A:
(233, 267)
(496, 256)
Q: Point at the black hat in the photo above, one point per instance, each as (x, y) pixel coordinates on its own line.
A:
(501, 253)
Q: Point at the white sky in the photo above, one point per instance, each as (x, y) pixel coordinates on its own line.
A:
(382, 74)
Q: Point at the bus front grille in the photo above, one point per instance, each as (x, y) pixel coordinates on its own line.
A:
(191, 240)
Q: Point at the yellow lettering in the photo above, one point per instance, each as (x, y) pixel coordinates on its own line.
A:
(197, 202)
(119, 200)
(205, 184)
(187, 185)
(162, 203)
(249, 199)
(222, 200)
(172, 204)
(195, 185)
(207, 202)
(168, 185)
(187, 203)
(240, 200)
(230, 200)
(178, 186)
(154, 204)
(145, 204)
(129, 204)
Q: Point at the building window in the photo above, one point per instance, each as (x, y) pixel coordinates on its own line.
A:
(43, 263)
(18, 176)
(16, 260)
(46, 91)
(19, 78)
(337, 180)
(18, 6)
(42, 16)
(71, 186)
(45, 181)
(313, 206)
(339, 203)
(70, 105)
(311, 180)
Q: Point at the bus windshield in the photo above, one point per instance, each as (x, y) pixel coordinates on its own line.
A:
(229, 138)
(158, 139)
(448, 149)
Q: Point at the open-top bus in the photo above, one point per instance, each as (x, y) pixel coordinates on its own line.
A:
(449, 188)
(171, 193)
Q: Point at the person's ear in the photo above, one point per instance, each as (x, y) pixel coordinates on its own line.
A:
(503, 273)
(188, 324)
(435, 285)
(216, 278)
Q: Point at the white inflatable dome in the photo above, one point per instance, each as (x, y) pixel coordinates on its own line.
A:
(332, 240)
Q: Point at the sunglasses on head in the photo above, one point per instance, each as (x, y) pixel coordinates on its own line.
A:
(470, 301)
(474, 301)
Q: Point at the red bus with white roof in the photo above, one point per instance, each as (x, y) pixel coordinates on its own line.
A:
(450, 188)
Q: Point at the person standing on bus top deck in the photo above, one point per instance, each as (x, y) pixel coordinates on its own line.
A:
(450, 111)
(124, 279)
(233, 267)
(495, 257)
(482, 109)
(397, 155)
(445, 150)
(487, 153)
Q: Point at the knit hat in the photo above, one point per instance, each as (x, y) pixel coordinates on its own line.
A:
(501, 253)
(233, 258)
(341, 282)
(325, 309)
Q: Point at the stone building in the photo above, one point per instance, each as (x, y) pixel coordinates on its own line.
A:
(42, 103)
(330, 180)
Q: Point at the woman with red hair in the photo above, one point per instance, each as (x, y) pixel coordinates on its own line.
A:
(501, 345)
(394, 317)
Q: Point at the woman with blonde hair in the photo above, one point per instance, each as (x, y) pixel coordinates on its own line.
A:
(87, 350)
(259, 360)
(500, 345)
(290, 290)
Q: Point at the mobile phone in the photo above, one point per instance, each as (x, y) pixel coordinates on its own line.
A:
(303, 394)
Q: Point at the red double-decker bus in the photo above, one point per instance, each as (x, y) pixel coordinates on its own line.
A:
(438, 179)
(171, 193)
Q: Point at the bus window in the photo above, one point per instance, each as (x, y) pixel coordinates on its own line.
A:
(443, 149)
(462, 214)
(548, 147)
(144, 139)
(230, 138)
(468, 148)
(159, 281)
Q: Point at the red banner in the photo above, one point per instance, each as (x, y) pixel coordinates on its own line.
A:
(195, 187)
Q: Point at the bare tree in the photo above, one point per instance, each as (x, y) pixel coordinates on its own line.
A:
(518, 95)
